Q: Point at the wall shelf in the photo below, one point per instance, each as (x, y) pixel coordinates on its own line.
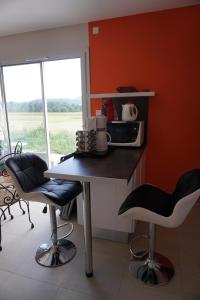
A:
(122, 95)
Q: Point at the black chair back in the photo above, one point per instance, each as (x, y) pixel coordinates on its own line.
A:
(28, 169)
(187, 184)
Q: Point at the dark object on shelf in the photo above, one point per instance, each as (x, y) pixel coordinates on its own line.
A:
(126, 89)
(8, 194)
(108, 109)
(104, 108)
(145, 90)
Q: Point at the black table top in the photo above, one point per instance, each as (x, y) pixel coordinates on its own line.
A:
(117, 165)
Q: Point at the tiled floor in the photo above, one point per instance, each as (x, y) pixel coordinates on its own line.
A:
(21, 278)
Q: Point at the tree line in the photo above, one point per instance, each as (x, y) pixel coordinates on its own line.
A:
(37, 106)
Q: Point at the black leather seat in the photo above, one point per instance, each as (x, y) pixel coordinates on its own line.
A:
(27, 171)
(162, 202)
(151, 204)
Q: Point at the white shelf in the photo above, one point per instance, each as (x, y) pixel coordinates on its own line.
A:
(122, 95)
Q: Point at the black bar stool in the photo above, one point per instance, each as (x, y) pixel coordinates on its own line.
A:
(27, 171)
(153, 205)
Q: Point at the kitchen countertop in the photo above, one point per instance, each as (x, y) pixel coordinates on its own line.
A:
(119, 164)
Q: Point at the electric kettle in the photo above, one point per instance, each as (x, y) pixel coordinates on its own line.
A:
(129, 112)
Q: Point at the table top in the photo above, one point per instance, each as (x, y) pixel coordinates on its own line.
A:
(119, 164)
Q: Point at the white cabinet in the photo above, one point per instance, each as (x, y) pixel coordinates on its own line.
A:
(106, 199)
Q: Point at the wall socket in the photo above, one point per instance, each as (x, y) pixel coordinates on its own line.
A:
(95, 30)
(98, 112)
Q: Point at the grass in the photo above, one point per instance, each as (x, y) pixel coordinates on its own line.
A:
(29, 128)
(56, 121)
(62, 143)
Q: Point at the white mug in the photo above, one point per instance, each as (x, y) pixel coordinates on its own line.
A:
(101, 140)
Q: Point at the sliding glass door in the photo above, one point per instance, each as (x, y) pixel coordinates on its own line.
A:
(62, 83)
(4, 144)
(24, 104)
(43, 103)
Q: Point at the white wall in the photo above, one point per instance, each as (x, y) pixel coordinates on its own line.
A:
(53, 43)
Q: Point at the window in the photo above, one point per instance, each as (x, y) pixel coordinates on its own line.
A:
(62, 81)
(44, 105)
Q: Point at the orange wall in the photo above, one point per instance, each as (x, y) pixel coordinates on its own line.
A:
(159, 51)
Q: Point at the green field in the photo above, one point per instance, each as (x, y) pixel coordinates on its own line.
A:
(56, 121)
(29, 128)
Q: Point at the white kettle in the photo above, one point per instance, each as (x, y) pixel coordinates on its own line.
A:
(129, 112)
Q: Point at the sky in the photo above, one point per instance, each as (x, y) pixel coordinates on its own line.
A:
(62, 79)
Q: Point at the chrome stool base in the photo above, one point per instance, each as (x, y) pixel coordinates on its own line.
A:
(158, 271)
(55, 255)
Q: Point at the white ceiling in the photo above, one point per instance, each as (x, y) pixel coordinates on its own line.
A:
(17, 16)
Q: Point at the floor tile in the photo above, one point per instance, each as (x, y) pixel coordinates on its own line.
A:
(4, 275)
(31, 269)
(107, 277)
(22, 278)
(112, 248)
(190, 283)
(190, 296)
(21, 288)
(64, 294)
(130, 285)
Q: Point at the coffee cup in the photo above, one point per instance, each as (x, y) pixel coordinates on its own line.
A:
(102, 141)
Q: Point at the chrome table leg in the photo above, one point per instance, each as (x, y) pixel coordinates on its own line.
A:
(87, 229)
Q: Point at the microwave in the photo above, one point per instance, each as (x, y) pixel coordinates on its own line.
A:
(127, 134)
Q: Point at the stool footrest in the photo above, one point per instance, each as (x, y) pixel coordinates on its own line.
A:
(69, 232)
(138, 254)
